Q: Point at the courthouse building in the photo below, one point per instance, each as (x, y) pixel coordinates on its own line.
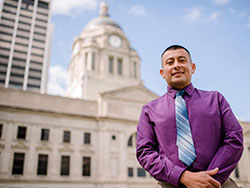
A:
(87, 139)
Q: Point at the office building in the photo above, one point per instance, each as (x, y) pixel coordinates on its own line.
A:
(25, 41)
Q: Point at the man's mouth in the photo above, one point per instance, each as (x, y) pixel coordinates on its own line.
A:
(177, 73)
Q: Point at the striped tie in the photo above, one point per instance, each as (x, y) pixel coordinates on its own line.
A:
(184, 136)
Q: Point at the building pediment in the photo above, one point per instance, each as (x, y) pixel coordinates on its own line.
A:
(124, 103)
(136, 93)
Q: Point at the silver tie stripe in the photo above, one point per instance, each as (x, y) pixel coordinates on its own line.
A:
(185, 143)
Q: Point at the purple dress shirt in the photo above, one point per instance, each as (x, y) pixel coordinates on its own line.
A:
(217, 135)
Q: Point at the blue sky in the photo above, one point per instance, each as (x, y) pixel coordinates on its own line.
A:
(217, 33)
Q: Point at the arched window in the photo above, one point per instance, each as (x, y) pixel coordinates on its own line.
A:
(111, 64)
(119, 66)
(135, 70)
(132, 140)
(236, 172)
(93, 62)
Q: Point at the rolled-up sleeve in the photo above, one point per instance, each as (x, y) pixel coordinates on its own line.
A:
(147, 152)
(229, 154)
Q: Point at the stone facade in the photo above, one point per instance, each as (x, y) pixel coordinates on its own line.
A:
(111, 121)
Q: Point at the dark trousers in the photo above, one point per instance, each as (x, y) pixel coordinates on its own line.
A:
(229, 183)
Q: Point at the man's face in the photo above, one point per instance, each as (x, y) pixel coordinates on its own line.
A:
(177, 68)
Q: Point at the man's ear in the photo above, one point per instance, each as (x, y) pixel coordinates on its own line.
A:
(193, 68)
(161, 73)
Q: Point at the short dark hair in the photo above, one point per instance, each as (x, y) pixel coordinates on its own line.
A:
(175, 47)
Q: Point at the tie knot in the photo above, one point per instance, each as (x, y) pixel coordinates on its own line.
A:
(180, 93)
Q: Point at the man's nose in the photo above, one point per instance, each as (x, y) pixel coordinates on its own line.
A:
(176, 64)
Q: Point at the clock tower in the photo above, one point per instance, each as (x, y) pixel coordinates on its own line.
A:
(102, 59)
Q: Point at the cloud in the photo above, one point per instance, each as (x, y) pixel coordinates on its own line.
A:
(67, 7)
(215, 15)
(193, 14)
(58, 77)
(138, 10)
(221, 2)
(232, 10)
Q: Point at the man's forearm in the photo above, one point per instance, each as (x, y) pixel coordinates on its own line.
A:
(199, 179)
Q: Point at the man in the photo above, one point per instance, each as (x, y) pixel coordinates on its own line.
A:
(188, 137)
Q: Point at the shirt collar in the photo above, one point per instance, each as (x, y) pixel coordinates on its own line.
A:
(188, 89)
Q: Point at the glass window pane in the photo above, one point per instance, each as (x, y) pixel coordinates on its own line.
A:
(18, 163)
(66, 136)
(120, 66)
(43, 5)
(45, 134)
(21, 132)
(130, 172)
(86, 166)
(130, 141)
(93, 61)
(42, 165)
(236, 172)
(65, 165)
(1, 130)
(87, 138)
(86, 60)
(111, 64)
(135, 70)
(141, 172)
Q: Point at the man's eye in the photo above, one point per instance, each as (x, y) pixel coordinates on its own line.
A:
(169, 62)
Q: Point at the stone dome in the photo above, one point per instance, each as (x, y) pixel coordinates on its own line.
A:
(102, 19)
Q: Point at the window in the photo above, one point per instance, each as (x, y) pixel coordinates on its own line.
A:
(130, 172)
(1, 130)
(66, 136)
(42, 165)
(135, 70)
(130, 141)
(87, 138)
(119, 66)
(111, 64)
(236, 172)
(21, 132)
(86, 60)
(86, 166)
(249, 155)
(65, 165)
(93, 61)
(43, 5)
(141, 172)
(18, 163)
(45, 134)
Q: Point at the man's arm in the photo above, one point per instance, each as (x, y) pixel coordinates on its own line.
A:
(200, 179)
(159, 166)
(231, 148)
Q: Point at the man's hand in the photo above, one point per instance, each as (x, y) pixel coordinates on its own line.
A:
(201, 179)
